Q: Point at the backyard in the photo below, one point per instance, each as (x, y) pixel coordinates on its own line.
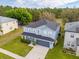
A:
(17, 47)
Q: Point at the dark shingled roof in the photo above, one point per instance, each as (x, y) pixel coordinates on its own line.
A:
(52, 25)
(37, 36)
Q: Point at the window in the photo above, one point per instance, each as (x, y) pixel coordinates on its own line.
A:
(27, 29)
(38, 31)
(45, 32)
(24, 37)
(7, 24)
(28, 36)
(72, 36)
(10, 28)
(0, 27)
(72, 45)
(13, 22)
(68, 43)
(33, 30)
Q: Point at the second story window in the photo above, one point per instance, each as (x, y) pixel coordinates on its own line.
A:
(38, 31)
(72, 36)
(13, 22)
(72, 45)
(10, 28)
(68, 44)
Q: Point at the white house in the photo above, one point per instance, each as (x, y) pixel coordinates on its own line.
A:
(7, 25)
(42, 32)
(71, 39)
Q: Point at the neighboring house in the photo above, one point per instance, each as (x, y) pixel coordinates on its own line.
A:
(42, 32)
(7, 25)
(71, 40)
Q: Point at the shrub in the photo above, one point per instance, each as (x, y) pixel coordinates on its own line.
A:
(25, 41)
(69, 51)
(59, 34)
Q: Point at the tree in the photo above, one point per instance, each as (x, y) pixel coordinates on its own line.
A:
(70, 15)
(57, 12)
(21, 14)
(47, 15)
(35, 13)
(4, 9)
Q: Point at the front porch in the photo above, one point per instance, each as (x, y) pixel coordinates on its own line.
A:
(38, 41)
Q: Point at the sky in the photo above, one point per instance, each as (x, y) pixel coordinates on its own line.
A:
(40, 3)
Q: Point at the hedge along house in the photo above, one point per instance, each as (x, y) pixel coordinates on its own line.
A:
(7, 25)
(42, 32)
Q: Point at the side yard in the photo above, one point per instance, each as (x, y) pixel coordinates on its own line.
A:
(17, 47)
(10, 36)
(12, 42)
(57, 52)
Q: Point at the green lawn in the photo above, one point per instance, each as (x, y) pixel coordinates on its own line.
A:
(3, 56)
(56, 53)
(10, 36)
(16, 46)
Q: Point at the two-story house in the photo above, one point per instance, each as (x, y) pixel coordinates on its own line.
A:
(71, 40)
(7, 25)
(43, 32)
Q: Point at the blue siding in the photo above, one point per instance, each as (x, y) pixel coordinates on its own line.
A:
(43, 43)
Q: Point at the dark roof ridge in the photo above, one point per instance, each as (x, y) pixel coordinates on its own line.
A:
(52, 25)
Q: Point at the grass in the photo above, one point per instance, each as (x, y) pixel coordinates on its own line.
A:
(10, 36)
(17, 47)
(3, 56)
(57, 52)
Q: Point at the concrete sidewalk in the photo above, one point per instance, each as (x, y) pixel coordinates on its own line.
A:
(38, 52)
(11, 54)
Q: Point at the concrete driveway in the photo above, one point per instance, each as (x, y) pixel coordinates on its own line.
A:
(38, 52)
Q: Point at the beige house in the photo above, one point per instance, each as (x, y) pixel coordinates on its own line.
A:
(7, 25)
(71, 39)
